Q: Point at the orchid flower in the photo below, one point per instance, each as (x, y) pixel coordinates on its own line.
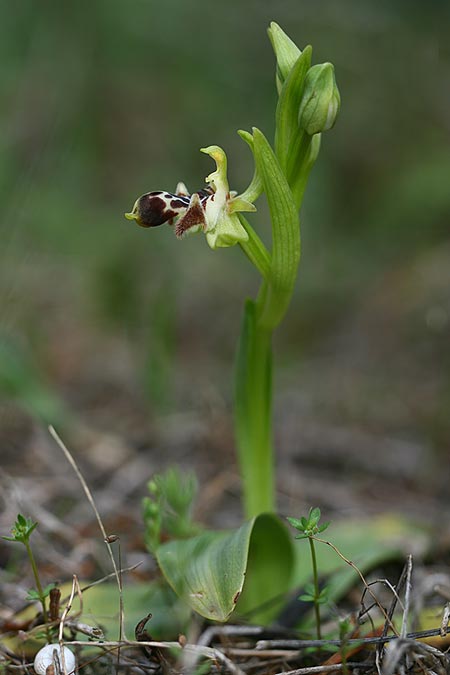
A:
(212, 210)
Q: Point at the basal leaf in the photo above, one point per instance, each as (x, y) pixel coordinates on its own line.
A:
(269, 570)
(208, 571)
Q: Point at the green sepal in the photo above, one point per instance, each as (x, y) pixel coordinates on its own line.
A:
(240, 204)
(254, 190)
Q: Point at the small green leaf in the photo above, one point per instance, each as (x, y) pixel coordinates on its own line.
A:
(31, 528)
(314, 516)
(324, 596)
(47, 589)
(295, 522)
(309, 588)
(33, 594)
(208, 571)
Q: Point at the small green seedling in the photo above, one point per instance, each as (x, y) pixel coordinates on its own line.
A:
(345, 629)
(167, 511)
(309, 527)
(21, 533)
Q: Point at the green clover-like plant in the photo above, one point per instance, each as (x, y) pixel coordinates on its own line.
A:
(310, 527)
(21, 533)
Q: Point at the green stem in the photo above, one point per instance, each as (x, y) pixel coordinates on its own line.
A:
(255, 250)
(316, 588)
(253, 395)
(303, 154)
(36, 579)
(253, 418)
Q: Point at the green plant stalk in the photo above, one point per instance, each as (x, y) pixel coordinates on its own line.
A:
(253, 392)
(36, 579)
(255, 250)
(344, 648)
(316, 587)
(253, 388)
(282, 175)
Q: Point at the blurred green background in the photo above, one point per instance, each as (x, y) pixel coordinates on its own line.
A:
(104, 100)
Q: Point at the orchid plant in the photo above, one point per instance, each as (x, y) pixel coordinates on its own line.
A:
(308, 104)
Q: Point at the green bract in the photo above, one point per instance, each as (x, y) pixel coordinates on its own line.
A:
(286, 53)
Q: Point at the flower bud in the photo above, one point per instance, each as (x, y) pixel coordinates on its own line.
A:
(320, 101)
(286, 53)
